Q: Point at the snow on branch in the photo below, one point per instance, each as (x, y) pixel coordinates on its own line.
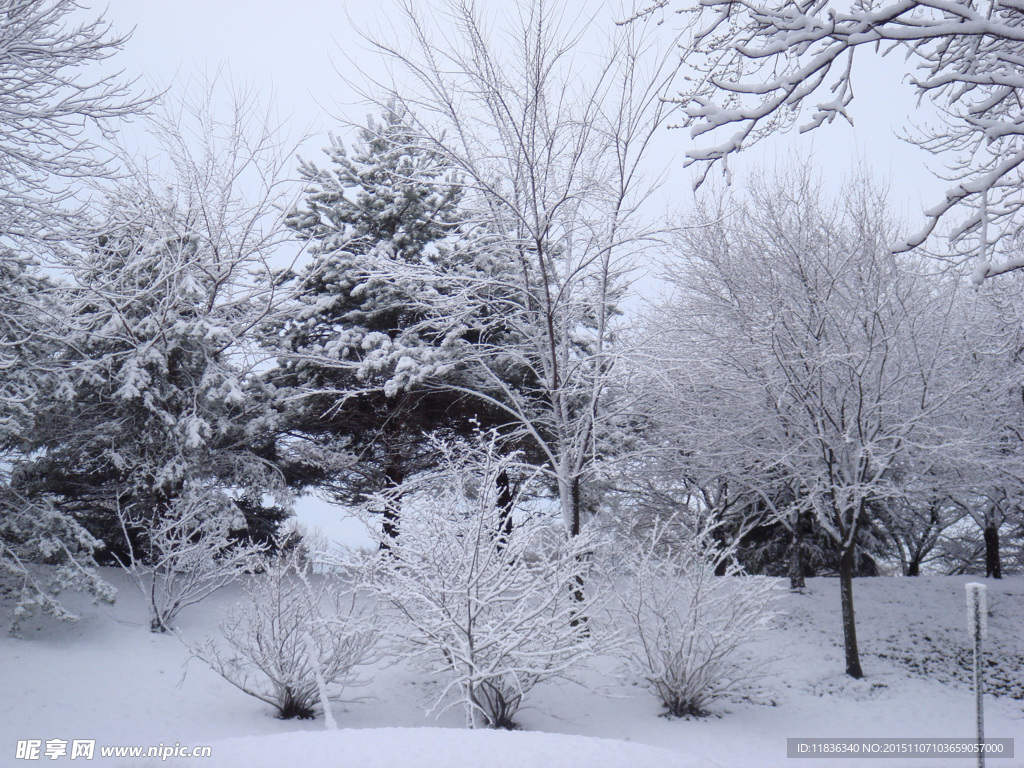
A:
(189, 553)
(754, 66)
(53, 105)
(494, 613)
(43, 552)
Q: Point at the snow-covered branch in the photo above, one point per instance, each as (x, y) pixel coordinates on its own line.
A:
(188, 553)
(753, 67)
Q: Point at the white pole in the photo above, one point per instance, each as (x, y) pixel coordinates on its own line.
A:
(977, 625)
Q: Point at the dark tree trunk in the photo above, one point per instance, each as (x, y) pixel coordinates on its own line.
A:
(927, 542)
(796, 554)
(505, 503)
(579, 617)
(574, 528)
(846, 566)
(993, 568)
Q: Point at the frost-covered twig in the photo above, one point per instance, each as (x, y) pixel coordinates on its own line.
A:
(188, 554)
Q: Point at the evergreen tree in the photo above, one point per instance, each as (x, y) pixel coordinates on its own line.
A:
(153, 399)
(159, 310)
(362, 378)
(54, 117)
(34, 532)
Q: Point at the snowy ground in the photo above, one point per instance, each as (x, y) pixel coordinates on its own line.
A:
(108, 678)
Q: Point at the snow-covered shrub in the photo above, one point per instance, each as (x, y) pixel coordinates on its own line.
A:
(190, 553)
(494, 613)
(296, 640)
(686, 626)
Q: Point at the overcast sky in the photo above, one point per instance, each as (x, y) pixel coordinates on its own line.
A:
(287, 49)
(297, 54)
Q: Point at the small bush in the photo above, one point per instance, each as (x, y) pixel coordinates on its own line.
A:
(190, 554)
(492, 611)
(293, 629)
(686, 627)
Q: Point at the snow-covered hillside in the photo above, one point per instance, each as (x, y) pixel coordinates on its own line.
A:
(108, 679)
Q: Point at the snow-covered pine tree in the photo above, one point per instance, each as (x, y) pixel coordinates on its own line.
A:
(356, 347)
(159, 307)
(26, 296)
(34, 532)
(152, 399)
(53, 122)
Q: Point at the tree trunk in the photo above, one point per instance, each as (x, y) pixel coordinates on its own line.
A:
(993, 568)
(505, 503)
(926, 543)
(846, 564)
(574, 529)
(578, 616)
(796, 555)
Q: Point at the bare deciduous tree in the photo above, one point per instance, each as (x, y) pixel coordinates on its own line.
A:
(551, 164)
(753, 66)
(807, 351)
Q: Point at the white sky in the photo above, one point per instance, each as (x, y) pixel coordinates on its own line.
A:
(297, 54)
(286, 49)
(294, 51)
